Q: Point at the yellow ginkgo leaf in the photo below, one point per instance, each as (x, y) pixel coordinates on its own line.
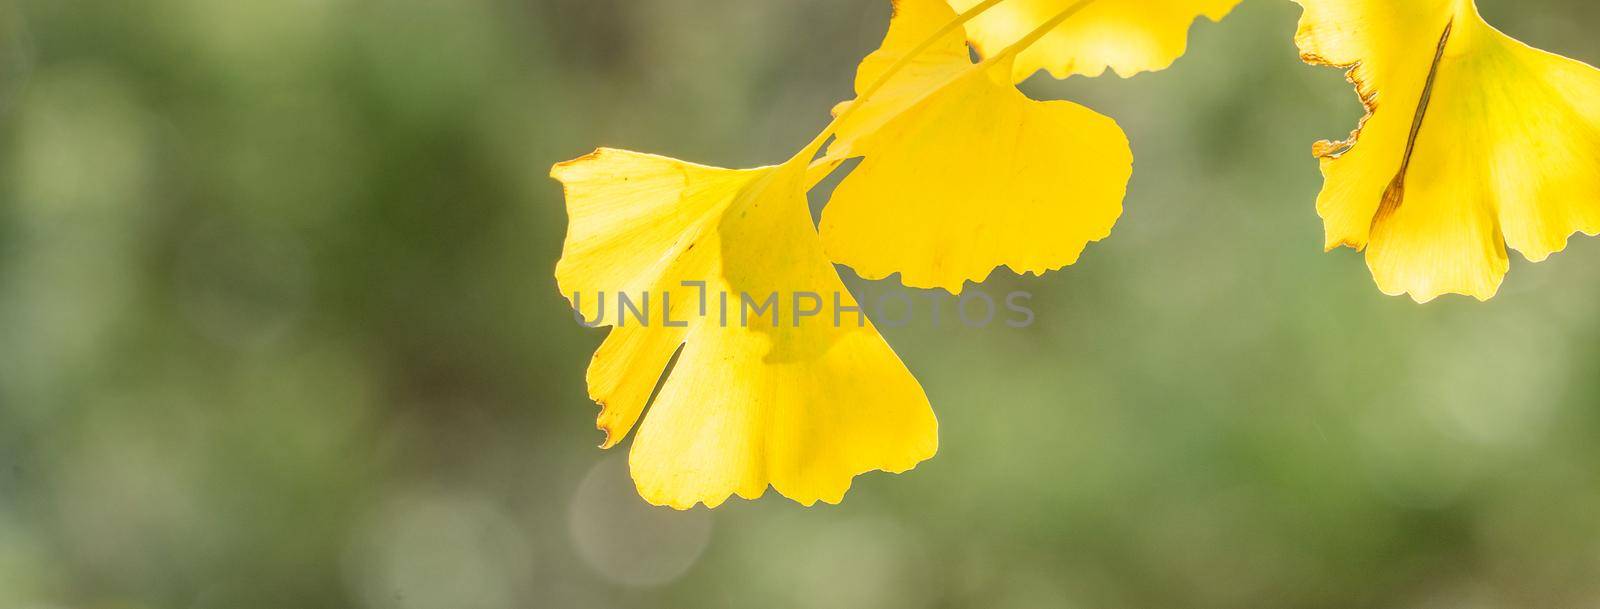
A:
(962, 172)
(779, 381)
(1127, 36)
(1473, 142)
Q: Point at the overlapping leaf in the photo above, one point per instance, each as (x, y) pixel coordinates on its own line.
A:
(803, 404)
(962, 172)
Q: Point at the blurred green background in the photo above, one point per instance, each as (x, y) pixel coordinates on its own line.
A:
(278, 329)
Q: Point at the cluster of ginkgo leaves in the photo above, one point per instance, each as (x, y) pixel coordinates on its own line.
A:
(1473, 142)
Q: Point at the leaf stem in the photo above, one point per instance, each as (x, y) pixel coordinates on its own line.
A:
(824, 166)
(1038, 32)
(905, 60)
